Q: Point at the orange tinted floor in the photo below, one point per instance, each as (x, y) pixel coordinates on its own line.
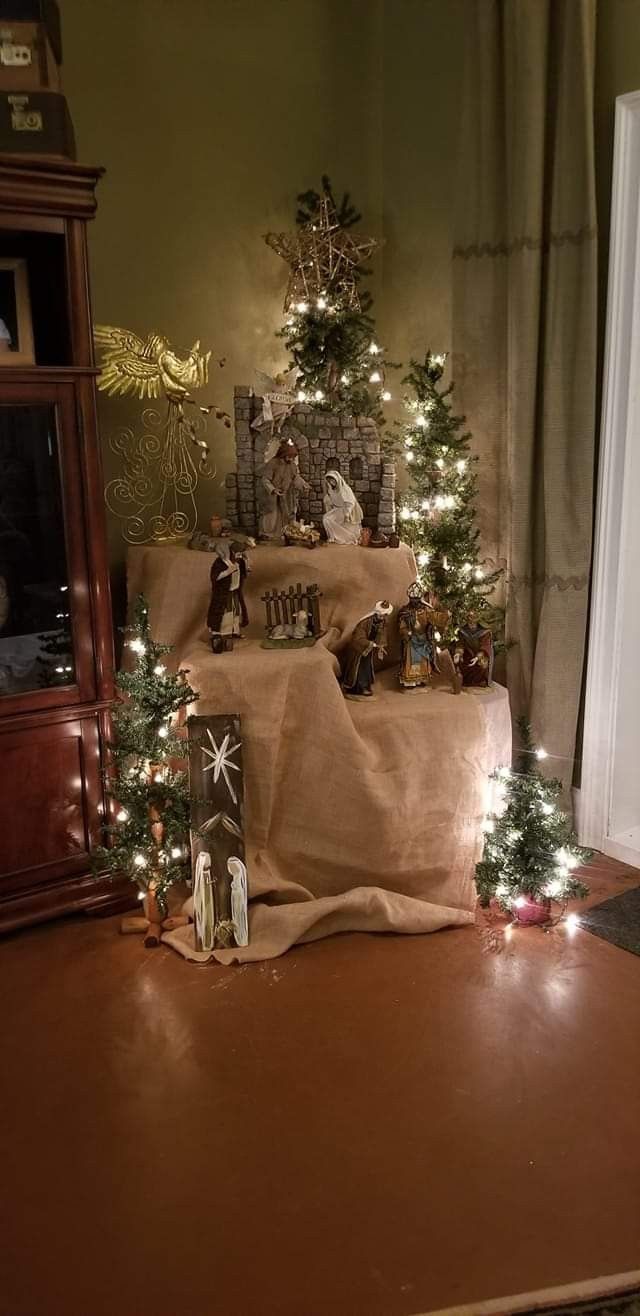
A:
(370, 1126)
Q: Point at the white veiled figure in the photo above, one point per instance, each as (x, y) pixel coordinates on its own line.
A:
(342, 519)
(204, 909)
(239, 900)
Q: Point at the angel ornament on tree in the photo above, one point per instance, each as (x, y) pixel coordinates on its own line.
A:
(155, 493)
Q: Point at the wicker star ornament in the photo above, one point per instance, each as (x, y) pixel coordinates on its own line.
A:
(324, 260)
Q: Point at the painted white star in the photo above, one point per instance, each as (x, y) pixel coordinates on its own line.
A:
(221, 761)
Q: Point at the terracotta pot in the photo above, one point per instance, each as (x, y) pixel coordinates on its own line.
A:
(532, 911)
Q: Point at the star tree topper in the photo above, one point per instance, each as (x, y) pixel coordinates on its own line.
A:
(324, 259)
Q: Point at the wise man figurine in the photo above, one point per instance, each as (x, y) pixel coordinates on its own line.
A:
(418, 623)
(282, 485)
(227, 610)
(473, 654)
(368, 639)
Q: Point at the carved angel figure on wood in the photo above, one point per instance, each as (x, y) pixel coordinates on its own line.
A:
(155, 492)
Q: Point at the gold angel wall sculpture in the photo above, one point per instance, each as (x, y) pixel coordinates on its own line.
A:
(154, 495)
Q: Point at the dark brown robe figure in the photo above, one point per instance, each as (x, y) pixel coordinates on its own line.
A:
(368, 638)
(227, 610)
(473, 653)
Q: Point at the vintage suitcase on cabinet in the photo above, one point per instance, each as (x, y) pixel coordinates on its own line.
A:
(43, 12)
(37, 123)
(27, 62)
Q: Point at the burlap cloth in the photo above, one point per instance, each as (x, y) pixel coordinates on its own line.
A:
(360, 815)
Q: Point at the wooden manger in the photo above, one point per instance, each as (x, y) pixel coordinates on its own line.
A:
(284, 626)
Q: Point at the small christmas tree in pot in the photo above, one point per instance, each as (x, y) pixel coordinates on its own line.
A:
(437, 512)
(149, 792)
(530, 853)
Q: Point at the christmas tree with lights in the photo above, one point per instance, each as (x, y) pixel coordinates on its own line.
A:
(437, 511)
(529, 854)
(329, 329)
(149, 794)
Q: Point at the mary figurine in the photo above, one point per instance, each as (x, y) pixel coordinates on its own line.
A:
(342, 519)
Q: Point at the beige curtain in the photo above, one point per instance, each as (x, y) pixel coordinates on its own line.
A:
(524, 333)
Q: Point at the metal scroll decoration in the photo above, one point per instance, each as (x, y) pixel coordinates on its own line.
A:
(217, 832)
(154, 494)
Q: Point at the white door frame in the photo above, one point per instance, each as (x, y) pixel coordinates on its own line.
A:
(615, 502)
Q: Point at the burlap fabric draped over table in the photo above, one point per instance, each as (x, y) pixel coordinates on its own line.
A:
(360, 816)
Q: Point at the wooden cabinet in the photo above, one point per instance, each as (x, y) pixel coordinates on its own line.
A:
(56, 643)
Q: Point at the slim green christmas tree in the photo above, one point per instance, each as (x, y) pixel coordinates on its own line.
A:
(329, 329)
(529, 851)
(437, 512)
(151, 803)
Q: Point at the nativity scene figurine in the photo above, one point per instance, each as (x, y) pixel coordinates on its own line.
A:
(421, 657)
(343, 514)
(368, 640)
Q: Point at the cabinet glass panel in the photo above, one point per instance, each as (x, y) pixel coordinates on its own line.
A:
(36, 649)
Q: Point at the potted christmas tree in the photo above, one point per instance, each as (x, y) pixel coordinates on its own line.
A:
(149, 792)
(437, 511)
(529, 855)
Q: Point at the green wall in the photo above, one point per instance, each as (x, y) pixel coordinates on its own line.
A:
(210, 115)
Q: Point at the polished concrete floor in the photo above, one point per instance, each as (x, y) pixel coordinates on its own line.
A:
(370, 1126)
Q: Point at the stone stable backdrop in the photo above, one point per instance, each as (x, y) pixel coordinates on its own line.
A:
(325, 442)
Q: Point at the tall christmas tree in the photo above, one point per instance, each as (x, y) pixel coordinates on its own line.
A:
(329, 329)
(437, 512)
(151, 803)
(529, 852)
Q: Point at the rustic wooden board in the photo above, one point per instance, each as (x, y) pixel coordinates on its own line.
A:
(216, 782)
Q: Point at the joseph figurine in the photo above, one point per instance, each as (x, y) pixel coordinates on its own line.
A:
(282, 485)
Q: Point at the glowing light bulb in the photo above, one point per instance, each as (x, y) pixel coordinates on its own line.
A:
(488, 826)
(554, 888)
(519, 902)
(137, 646)
(415, 516)
(344, 379)
(573, 923)
(63, 589)
(318, 395)
(502, 891)
(410, 456)
(541, 753)
(139, 861)
(141, 895)
(59, 669)
(479, 573)
(408, 443)
(405, 514)
(386, 396)
(437, 636)
(423, 559)
(176, 852)
(375, 377)
(158, 776)
(302, 397)
(547, 809)
(374, 349)
(321, 303)
(421, 421)
(122, 816)
(159, 669)
(461, 466)
(505, 773)
(440, 463)
(425, 504)
(302, 308)
(163, 733)
(466, 567)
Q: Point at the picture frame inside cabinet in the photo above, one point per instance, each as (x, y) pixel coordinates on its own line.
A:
(16, 324)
